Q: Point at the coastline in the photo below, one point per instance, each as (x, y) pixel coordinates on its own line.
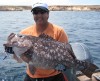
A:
(75, 8)
(54, 8)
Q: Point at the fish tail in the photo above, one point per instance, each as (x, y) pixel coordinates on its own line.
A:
(88, 68)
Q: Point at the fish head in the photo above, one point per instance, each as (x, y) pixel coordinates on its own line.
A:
(18, 40)
(19, 43)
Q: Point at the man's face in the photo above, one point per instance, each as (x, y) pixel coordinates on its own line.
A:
(40, 16)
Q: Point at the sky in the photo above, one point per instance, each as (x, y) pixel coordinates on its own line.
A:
(50, 2)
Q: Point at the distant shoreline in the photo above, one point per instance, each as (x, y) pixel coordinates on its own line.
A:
(55, 8)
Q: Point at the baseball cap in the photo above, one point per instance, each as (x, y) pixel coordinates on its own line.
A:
(42, 6)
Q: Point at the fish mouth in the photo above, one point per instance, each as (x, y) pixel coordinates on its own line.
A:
(7, 45)
(15, 49)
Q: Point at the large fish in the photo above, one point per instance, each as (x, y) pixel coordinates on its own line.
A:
(45, 52)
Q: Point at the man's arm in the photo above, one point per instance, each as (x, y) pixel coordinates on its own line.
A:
(62, 37)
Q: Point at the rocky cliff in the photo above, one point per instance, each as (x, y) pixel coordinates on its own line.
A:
(75, 7)
(14, 8)
(53, 8)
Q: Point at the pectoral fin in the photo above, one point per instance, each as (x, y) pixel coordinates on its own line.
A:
(32, 69)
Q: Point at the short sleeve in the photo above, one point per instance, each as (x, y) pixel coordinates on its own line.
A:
(62, 36)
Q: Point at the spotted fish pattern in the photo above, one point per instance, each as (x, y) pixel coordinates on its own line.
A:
(45, 52)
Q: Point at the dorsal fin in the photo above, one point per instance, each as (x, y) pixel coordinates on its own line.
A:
(45, 37)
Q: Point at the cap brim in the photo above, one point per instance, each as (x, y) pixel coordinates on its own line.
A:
(39, 7)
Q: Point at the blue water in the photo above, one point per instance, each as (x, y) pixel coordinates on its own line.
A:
(81, 26)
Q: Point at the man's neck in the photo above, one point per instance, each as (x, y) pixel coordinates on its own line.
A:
(41, 29)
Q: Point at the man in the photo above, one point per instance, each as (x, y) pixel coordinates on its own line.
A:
(41, 14)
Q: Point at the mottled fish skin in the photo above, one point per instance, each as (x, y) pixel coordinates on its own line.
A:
(44, 52)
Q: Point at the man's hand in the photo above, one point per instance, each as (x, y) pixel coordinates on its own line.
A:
(60, 67)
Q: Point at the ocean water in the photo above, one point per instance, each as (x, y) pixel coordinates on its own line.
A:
(81, 26)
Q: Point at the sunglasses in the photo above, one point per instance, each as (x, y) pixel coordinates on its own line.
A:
(39, 11)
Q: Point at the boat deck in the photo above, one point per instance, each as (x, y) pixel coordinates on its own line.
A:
(95, 77)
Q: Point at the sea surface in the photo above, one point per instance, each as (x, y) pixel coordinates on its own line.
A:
(81, 26)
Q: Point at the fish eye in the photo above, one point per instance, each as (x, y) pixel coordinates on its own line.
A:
(20, 35)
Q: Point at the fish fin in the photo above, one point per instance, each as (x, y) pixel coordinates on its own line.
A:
(89, 68)
(70, 50)
(32, 69)
(46, 37)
